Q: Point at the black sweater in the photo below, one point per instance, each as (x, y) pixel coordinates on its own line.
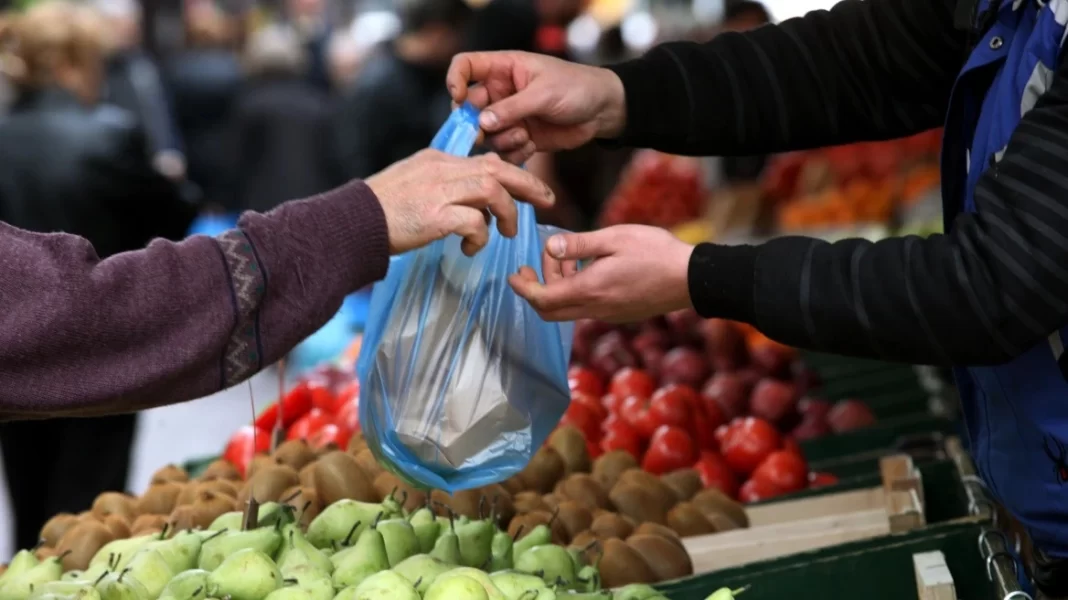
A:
(866, 70)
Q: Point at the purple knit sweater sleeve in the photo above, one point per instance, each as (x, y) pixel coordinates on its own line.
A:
(176, 321)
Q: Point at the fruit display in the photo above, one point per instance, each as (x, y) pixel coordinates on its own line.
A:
(656, 189)
(851, 184)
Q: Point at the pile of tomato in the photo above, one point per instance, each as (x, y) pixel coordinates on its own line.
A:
(322, 408)
(674, 427)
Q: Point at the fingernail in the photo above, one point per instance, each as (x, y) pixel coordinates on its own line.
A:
(489, 120)
(557, 246)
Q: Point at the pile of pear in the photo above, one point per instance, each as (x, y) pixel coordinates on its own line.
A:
(352, 550)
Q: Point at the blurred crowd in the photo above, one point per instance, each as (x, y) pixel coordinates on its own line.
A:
(103, 138)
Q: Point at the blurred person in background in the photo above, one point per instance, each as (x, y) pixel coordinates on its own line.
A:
(134, 83)
(397, 103)
(309, 18)
(205, 81)
(67, 164)
(344, 57)
(281, 121)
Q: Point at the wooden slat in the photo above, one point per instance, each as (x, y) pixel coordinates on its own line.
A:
(865, 499)
(933, 579)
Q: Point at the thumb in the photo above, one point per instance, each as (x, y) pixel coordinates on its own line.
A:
(510, 111)
(580, 246)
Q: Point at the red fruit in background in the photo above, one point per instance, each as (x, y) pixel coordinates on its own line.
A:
(784, 470)
(789, 444)
(713, 412)
(591, 329)
(803, 377)
(729, 392)
(810, 428)
(308, 424)
(611, 403)
(331, 376)
(632, 382)
(724, 343)
(670, 448)
(593, 449)
(329, 434)
(722, 433)
(749, 443)
(611, 353)
(593, 403)
(651, 360)
(585, 380)
(673, 405)
(773, 400)
(635, 412)
(816, 480)
(771, 357)
(684, 325)
(620, 436)
(749, 376)
(684, 365)
(715, 473)
(584, 419)
(757, 490)
(348, 416)
(650, 338)
(323, 396)
(295, 404)
(813, 407)
(848, 415)
(704, 435)
(244, 444)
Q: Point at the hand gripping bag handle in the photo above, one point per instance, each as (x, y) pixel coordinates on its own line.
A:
(457, 137)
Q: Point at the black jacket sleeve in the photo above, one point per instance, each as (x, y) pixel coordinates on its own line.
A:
(864, 70)
(984, 293)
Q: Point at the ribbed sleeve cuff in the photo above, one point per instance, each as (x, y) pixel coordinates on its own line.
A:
(650, 84)
(721, 281)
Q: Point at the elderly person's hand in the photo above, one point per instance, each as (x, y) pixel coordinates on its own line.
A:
(432, 194)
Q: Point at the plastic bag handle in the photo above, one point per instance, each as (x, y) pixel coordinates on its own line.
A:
(459, 133)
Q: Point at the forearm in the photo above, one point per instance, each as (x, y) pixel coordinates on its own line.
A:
(865, 70)
(176, 321)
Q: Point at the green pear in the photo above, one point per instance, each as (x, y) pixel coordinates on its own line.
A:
(456, 587)
(421, 570)
(539, 536)
(181, 551)
(426, 527)
(269, 513)
(447, 547)
(400, 540)
(500, 551)
(545, 594)
(588, 579)
(550, 561)
(120, 586)
(94, 573)
(22, 585)
(481, 577)
(348, 593)
(726, 593)
(636, 591)
(187, 585)
(150, 568)
(228, 521)
(215, 550)
(248, 574)
(386, 585)
(344, 519)
(64, 588)
(297, 550)
(318, 587)
(515, 585)
(23, 561)
(601, 595)
(116, 554)
(476, 539)
(365, 558)
(290, 592)
(74, 575)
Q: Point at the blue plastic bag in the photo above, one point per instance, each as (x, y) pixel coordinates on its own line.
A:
(461, 380)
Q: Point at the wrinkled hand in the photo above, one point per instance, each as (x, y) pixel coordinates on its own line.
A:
(432, 194)
(532, 102)
(637, 272)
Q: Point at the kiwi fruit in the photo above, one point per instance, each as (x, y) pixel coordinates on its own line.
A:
(712, 500)
(170, 473)
(644, 479)
(528, 501)
(221, 469)
(575, 517)
(543, 471)
(160, 498)
(55, 527)
(465, 502)
(661, 530)
(214, 504)
(80, 544)
(338, 476)
(639, 503)
(147, 524)
(387, 483)
(356, 444)
(622, 565)
(667, 559)
(514, 485)
(189, 516)
(367, 461)
(500, 503)
(118, 526)
(584, 489)
(307, 475)
(305, 501)
(45, 552)
(268, 484)
(224, 487)
(115, 503)
(584, 539)
(294, 453)
(551, 501)
(610, 465)
(722, 522)
(611, 525)
(258, 462)
(685, 483)
(570, 444)
(686, 520)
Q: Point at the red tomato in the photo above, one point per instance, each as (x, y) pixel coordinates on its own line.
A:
(816, 480)
(635, 411)
(670, 449)
(591, 402)
(348, 393)
(714, 415)
(722, 433)
(329, 434)
(594, 450)
(295, 405)
(789, 444)
(715, 473)
(585, 380)
(784, 470)
(703, 434)
(580, 416)
(611, 403)
(244, 444)
(632, 382)
(322, 396)
(670, 406)
(748, 443)
(308, 424)
(756, 490)
(348, 416)
(620, 436)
